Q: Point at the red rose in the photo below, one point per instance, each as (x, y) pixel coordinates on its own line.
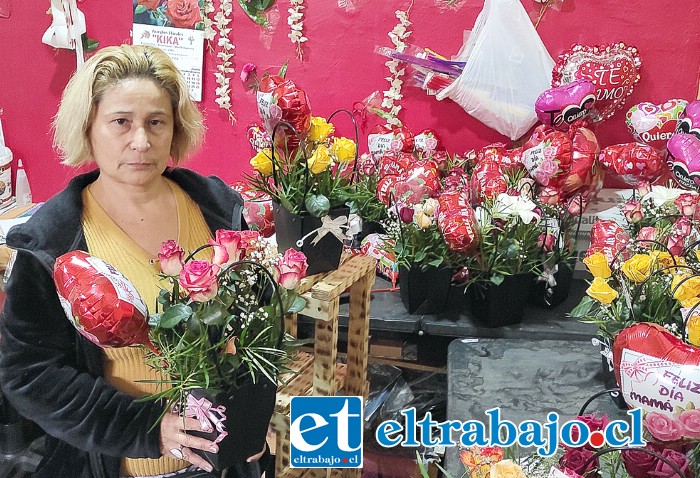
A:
(292, 268)
(149, 4)
(638, 463)
(183, 13)
(199, 279)
(170, 257)
(579, 460)
(546, 242)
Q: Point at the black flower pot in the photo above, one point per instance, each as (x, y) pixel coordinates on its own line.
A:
(368, 227)
(548, 296)
(610, 381)
(321, 257)
(424, 291)
(503, 304)
(248, 410)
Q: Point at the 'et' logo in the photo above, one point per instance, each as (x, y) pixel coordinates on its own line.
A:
(326, 432)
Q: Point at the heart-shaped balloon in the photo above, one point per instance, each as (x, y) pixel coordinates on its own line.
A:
(656, 371)
(585, 176)
(547, 156)
(613, 69)
(559, 107)
(654, 124)
(257, 209)
(689, 122)
(457, 221)
(394, 162)
(684, 160)
(427, 142)
(487, 181)
(385, 189)
(610, 238)
(382, 140)
(102, 304)
(280, 99)
(632, 162)
(258, 138)
(509, 160)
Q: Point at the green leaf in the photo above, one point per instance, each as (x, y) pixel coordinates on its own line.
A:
(497, 279)
(140, 9)
(317, 204)
(583, 308)
(174, 315)
(436, 262)
(213, 313)
(283, 70)
(297, 306)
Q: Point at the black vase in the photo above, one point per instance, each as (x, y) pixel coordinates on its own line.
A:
(547, 296)
(289, 228)
(249, 409)
(502, 304)
(424, 291)
(611, 382)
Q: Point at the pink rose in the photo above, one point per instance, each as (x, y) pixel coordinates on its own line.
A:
(662, 427)
(230, 243)
(247, 240)
(542, 177)
(199, 279)
(643, 188)
(183, 13)
(170, 257)
(675, 244)
(549, 153)
(682, 227)
(633, 211)
(549, 167)
(247, 69)
(662, 470)
(546, 242)
(292, 268)
(549, 195)
(690, 419)
(646, 234)
(686, 204)
(231, 346)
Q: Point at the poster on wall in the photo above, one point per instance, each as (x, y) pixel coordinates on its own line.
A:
(180, 36)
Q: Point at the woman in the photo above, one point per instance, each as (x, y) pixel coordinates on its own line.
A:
(128, 110)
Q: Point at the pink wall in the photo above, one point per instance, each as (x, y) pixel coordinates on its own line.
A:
(339, 68)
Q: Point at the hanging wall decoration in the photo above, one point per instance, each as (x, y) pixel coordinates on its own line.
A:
(67, 28)
(393, 95)
(453, 5)
(224, 67)
(296, 25)
(614, 69)
(544, 5)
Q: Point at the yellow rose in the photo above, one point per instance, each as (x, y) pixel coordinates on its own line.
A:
(506, 469)
(692, 329)
(320, 160)
(690, 303)
(320, 129)
(638, 267)
(697, 254)
(598, 265)
(421, 219)
(663, 260)
(262, 162)
(684, 287)
(344, 149)
(601, 291)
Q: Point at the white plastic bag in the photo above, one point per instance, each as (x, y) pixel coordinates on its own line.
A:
(507, 68)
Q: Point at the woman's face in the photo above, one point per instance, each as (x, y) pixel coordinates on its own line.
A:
(132, 132)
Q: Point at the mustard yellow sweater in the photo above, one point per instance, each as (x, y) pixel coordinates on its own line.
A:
(125, 367)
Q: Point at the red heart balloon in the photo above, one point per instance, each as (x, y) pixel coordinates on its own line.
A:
(613, 69)
(656, 370)
(100, 302)
(547, 156)
(654, 124)
(394, 162)
(586, 175)
(488, 181)
(632, 162)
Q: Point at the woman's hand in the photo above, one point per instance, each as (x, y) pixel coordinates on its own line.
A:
(257, 457)
(175, 442)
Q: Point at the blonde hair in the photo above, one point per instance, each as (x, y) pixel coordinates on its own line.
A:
(105, 69)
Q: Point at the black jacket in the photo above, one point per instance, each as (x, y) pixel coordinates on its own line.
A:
(49, 372)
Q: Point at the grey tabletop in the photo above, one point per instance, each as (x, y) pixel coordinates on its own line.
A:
(527, 378)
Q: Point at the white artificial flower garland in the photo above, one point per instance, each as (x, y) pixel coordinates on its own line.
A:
(224, 67)
(296, 25)
(393, 95)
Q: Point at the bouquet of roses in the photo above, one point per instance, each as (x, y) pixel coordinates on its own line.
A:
(218, 338)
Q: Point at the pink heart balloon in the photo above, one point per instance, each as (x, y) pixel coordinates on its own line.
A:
(654, 124)
(689, 122)
(561, 106)
(684, 160)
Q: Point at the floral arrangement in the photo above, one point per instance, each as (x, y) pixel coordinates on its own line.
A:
(647, 269)
(314, 177)
(220, 319)
(417, 238)
(296, 26)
